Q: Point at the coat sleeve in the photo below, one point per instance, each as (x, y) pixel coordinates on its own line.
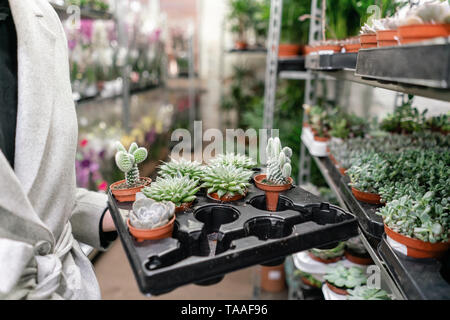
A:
(86, 216)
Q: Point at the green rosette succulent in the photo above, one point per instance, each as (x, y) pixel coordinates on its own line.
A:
(366, 293)
(343, 277)
(178, 190)
(183, 167)
(237, 160)
(226, 180)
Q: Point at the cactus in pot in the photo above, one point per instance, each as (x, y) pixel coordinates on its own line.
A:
(278, 176)
(127, 161)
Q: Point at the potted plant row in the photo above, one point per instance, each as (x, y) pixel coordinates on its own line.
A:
(340, 279)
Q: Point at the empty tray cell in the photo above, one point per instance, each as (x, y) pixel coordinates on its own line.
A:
(325, 213)
(265, 228)
(213, 216)
(259, 202)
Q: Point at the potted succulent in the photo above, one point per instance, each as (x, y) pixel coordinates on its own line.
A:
(318, 121)
(340, 279)
(237, 160)
(226, 182)
(356, 252)
(127, 162)
(278, 177)
(366, 293)
(151, 220)
(294, 32)
(179, 190)
(308, 279)
(328, 256)
(240, 18)
(440, 123)
(183, 167)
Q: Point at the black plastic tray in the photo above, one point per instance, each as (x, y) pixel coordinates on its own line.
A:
(245, 235)
(291, 64)
(418, 64)
(336, 61)
(419, 278)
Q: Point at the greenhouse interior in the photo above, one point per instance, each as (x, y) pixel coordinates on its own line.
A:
(225, 149)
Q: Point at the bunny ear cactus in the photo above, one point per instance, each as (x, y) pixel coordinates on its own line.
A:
(279, 162)
(127, 162)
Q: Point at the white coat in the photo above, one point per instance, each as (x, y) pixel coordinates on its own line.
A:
(42, 213)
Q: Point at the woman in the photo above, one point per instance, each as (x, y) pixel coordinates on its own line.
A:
(42, 213)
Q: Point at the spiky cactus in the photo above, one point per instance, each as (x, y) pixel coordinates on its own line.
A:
(127, 161)
(278, 162)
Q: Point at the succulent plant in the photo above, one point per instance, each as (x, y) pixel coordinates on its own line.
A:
(237, 160)
(149, 214)
(301, 274)
(226, 179)
(366, 293)
(278, 162)
(355, 246)
(183, 167)
(178, 189)
(127, 161)
(344, 277)
(369, 172)
(428, 12)
(326, 254)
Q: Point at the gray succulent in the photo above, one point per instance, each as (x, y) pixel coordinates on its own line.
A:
(149, 214)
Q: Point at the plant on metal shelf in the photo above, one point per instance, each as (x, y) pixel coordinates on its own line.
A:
(180, 190)
(278, 176)
(366, 293)
(127, 162)
(226, 182)
(405, 119)
(151, 220)
(183, 167)
(340, 278)
(237, 160)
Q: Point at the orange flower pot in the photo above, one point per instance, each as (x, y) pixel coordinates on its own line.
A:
(273, 278)
(386, 38)
(353, 47)
(152, 234)
(368, 40)
(333, 159)
(272, 191)
(308, 49)
(309, 283)
(127, 195)
(240, 45)
(366, 197)
(226, 198)
(417, 248)
(420, 32)
(358, 260)
(288, 50)
(321, 139)
(336, 289)
(334, 48)
(328, 261)
(183, 207)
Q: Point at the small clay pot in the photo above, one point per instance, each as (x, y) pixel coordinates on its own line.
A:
(386, 38)
(328, 47)
(364, 261)
(337, 290)
(327, 261)
(128, 195)
(273, 278)
(368, 40)
(366, 197)
(352, 47)
(421, 32)
(417, 248)
(321, 139)
(183, 207)
(308, 49)
(226, 198)
(308, 283)
(240, 45)
(152, 234)
(288, 50)
(272, 191)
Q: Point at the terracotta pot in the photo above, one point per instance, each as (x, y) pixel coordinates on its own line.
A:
(387, 38)
(127, 195)
(366, 197)
(328, 261)
(353, 47)
(420, 32)
(417, 248)
(309, 283)
(321, 139)
(332, 158)
(273, 278)
(288, 50)
(336, 289)
(240, 45)
(358, 260)
(272, 191)
(334, 48)
(152, 234)
(368, 40)
(308, 49)
(183, 207)
(226, 198)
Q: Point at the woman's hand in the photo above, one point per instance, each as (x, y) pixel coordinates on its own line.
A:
(108, 223)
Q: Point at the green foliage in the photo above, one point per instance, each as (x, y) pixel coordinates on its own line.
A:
(368, 173)
(344, 125)
(439, 123)
(127, 161)
(183, 167)
(301, 274)
(327, 254)
(366, 293)
(240, 16)
(292, 29)
(177, 189)
(343, 277)
(237, 160)
(405, 119)
(279, 167)
(226, 179)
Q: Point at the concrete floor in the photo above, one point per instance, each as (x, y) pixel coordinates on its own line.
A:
(117, 281)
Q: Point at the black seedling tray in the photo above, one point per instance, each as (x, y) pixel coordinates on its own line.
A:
(417, 64)
(291, 64)
(370, 222)
(212, 239)
(336, 61)
(419, 278)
